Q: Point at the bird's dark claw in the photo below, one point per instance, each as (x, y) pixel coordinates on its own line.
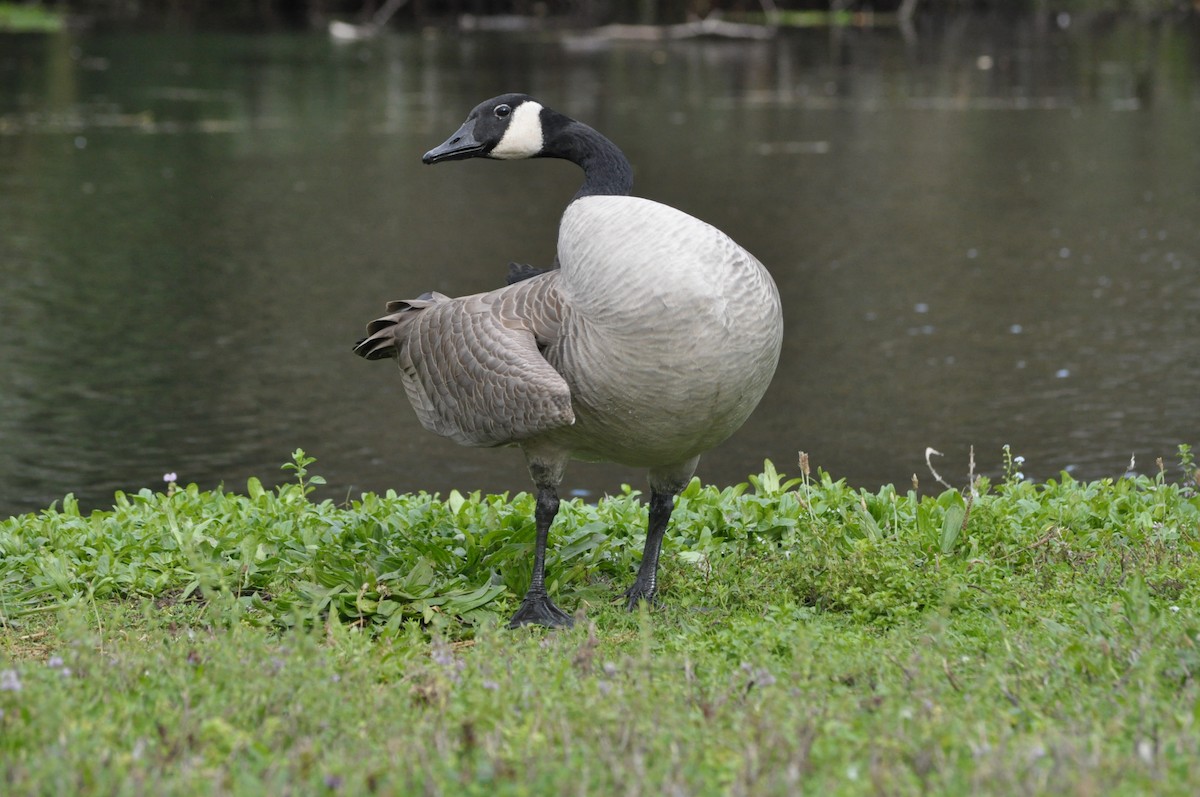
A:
(638, 593)
(538, 609)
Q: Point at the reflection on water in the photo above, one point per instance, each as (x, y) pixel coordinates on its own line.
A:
(984, 235)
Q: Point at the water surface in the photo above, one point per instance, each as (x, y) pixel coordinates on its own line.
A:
(984, 235)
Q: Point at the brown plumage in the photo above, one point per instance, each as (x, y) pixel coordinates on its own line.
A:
(471, 366)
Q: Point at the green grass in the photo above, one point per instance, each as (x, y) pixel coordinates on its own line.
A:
(1030, 639)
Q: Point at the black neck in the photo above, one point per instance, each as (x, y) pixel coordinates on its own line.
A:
(606, 172)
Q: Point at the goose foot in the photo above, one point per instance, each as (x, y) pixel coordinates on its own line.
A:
(638, 593)
(538, 609)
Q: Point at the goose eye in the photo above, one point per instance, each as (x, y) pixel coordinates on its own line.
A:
(502, 111)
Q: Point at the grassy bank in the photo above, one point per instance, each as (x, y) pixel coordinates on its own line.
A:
(1032, 638)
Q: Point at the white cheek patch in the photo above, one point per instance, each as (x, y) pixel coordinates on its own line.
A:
(523, 138)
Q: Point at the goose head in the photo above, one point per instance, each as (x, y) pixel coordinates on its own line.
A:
(507, 127)
(516, 126)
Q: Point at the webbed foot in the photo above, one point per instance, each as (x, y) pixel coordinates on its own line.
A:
(538, 609)
(638, 593)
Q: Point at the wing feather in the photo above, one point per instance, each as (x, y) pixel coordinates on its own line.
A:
(473, 367)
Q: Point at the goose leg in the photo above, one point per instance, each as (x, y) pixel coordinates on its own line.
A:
(537, 608)
(665, 484)
(646, 583)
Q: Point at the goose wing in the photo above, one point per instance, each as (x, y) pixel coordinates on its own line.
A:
(473, 367)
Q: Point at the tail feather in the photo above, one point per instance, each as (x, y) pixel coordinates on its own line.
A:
(382, 340)
(376, 347)
(518, 272)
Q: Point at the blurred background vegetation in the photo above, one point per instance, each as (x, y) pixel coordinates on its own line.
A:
(316, 13)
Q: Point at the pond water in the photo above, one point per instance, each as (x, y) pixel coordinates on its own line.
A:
(985, 233)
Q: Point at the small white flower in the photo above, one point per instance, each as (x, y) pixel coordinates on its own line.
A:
(170, 478)
(1174, 608)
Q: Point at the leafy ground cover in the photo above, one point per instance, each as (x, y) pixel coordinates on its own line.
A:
(1015, 638)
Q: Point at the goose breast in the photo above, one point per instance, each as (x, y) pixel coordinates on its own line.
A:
(671, 333)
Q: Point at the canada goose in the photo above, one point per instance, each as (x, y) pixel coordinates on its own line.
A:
(650, 343)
